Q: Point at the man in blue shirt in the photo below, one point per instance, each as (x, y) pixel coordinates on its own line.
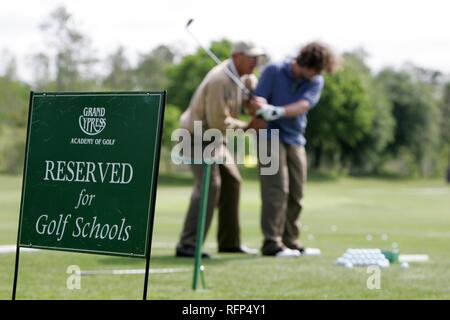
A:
(285, 93)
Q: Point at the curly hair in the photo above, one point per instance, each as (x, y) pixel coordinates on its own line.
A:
(317, 56)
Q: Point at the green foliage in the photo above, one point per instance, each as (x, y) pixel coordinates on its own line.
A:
(368, 155)
(445, 114)
(13, 102)
(364, 122)
(13, 120)
(12, 148)
(42, 80)
(8, 65)
(445, 129)
(120, 76)
(416, 112)
(71, 56)
(171, 122)
(189, 72)
(342, 118)
(149, 74)
(151, 71)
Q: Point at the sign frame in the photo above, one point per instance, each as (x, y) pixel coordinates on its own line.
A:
(152, 191)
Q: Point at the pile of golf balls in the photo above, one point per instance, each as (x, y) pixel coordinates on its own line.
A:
(363, 257)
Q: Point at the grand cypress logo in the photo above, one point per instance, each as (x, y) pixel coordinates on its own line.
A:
(93, 120)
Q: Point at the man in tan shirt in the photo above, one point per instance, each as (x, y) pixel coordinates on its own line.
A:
(217, 103)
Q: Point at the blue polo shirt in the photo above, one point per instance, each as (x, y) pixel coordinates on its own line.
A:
(278, 85)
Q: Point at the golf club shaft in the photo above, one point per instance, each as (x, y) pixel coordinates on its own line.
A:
(230, 74)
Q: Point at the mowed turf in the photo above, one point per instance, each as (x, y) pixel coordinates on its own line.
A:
(339, 214)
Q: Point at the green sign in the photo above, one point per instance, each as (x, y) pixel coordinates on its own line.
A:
(90, 172)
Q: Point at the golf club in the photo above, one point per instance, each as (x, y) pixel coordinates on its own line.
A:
(232, 76)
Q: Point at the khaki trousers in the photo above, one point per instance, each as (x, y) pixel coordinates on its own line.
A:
(282, 195)
(224, 190)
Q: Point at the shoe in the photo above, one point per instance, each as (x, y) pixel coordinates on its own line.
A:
(287, 253)
(312, 252)
(300, 249)
(189, 252)
(240, 249)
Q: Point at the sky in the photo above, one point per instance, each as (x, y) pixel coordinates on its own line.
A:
(393, 32)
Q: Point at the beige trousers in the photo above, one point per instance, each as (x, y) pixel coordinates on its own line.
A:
(224, 190)
(282, 195)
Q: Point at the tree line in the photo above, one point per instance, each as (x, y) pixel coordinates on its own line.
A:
(394, 120)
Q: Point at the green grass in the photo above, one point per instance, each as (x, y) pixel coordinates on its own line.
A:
(415, 214)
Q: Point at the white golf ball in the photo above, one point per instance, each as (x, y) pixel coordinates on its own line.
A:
(404, 265)
(348, 265)
(383, 263)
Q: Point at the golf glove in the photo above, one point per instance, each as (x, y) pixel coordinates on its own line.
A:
(270, 112)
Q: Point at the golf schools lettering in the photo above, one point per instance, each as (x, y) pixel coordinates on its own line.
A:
(82, 227)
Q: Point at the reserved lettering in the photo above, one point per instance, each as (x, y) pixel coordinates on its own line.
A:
(93, 172)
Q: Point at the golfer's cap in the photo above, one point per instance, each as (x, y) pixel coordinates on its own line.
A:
(248, 48)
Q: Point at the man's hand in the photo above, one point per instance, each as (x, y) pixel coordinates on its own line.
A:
(255, 103)
(257, 123)
(270, 112)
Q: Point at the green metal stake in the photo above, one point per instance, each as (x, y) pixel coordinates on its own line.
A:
(201, 225)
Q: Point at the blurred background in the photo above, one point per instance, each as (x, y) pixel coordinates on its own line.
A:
(386, 112)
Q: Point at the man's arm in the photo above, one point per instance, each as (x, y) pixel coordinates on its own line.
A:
(217, 111)
(297, 108)
(308, 100)
(269, 112)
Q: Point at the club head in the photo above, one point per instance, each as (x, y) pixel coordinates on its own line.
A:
(189, 23)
